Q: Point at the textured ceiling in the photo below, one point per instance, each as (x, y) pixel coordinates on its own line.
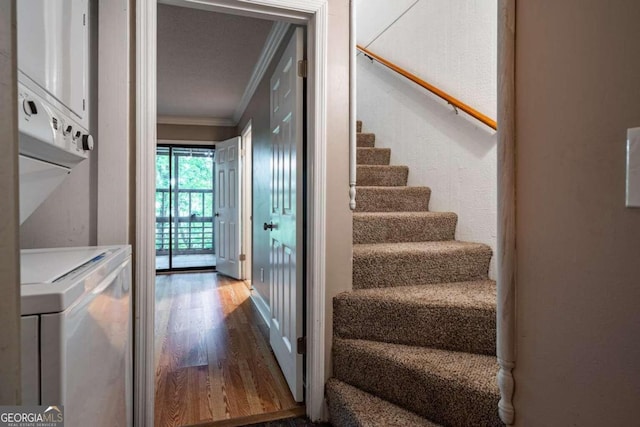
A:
(205, 60)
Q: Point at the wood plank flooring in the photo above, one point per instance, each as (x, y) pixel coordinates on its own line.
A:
(213, 359)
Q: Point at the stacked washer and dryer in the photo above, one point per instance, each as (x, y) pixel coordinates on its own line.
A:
(76, 302)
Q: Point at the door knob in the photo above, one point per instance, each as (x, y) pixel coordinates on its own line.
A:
(268, 226)
(217, 214)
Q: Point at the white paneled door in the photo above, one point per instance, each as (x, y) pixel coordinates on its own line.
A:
(227, 209)
(285, 227)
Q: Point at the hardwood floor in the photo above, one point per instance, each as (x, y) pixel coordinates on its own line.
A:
(213, 359)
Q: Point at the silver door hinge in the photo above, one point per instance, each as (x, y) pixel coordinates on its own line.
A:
(302, 345)
(242, 257)
(84, 19)
(302, 68)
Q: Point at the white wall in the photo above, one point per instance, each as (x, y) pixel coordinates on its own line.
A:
(578, 269)
(452, 45)
(115, 127)
(67, 217)
(375, 16)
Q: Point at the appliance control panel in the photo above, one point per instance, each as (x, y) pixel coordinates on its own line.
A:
(48, 134)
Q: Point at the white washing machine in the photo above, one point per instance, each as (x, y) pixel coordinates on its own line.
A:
(77, 333)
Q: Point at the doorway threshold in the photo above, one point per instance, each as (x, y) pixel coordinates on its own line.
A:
(256, 419)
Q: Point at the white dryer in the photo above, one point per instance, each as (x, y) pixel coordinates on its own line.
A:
(77, 333)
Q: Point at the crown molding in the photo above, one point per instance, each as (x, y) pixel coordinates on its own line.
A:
(277, 33)
(195, 121)
(296, 11)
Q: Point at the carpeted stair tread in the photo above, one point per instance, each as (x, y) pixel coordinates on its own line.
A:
(451, 316)
(358, 125)
(392, 199)
(373, 156)
(382, 176)
(365, 139)
(377, 265)
(450, 388)
(390, 227)
(352, 407)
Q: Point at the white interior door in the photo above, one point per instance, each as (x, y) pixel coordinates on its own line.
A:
(286, 214)
(228, 181)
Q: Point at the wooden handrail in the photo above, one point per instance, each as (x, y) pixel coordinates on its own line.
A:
(456, 103)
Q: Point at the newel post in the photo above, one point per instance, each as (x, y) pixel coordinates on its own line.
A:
(506, 304)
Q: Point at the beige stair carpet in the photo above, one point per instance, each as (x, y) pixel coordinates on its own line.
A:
(446, 387)
(392, 199)
(396, 227)
(414, 342)
(382, 175)
(450, 316)
(416, 263)
(373, 156)
(350, 406)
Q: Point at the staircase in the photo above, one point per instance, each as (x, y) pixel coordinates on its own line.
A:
(414, 342)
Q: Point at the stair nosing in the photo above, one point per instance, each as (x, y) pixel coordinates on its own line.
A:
(420, 246)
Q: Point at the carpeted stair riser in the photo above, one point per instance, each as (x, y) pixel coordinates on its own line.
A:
(390, 227)
(382, 176)
(352, 407)
(373, 156)
(365, 140)
(392, 199)
(358, 126)
(450, 388)
(418, 263)
(448, 316)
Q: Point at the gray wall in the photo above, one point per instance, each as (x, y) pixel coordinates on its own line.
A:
(9, 219)
(69, 216)
(578, 261)
(196, 133)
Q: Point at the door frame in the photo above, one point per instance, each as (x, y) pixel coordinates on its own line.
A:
(313, 14)
(246, 201)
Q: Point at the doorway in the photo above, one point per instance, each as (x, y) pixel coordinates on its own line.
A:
(207, 324)
(314, 15)
(184, 208)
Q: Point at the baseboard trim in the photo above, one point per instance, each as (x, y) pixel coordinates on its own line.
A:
(262, 307)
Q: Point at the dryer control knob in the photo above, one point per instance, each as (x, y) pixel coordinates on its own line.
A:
(29, 107)
(87, 142)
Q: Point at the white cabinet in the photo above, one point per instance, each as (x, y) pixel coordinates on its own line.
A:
(53, 53)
